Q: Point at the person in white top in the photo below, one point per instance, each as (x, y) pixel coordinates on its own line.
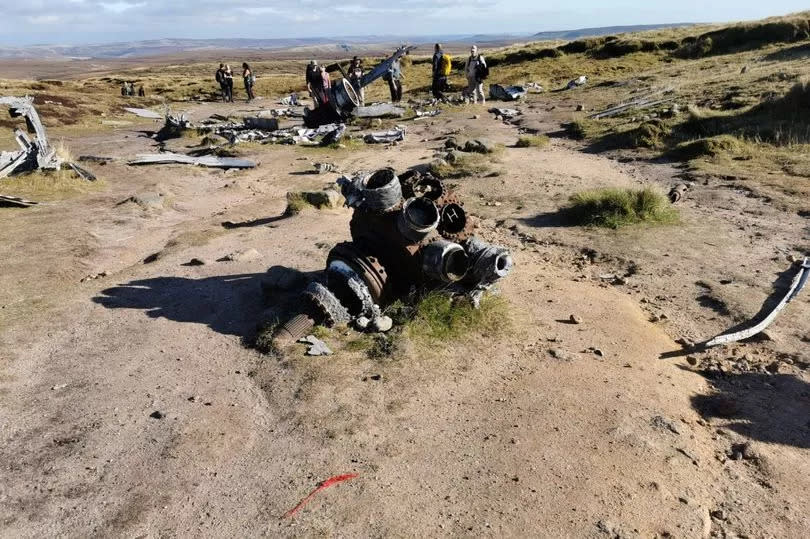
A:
(476, 71)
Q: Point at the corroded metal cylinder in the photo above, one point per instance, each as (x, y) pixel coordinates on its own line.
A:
(419, 217)
(445, 261)
(296, 328)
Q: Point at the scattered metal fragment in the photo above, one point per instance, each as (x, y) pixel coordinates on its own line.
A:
(6, 200)
(95, 159)
(36, 154)
(396, 134)
(173, 127)
(424, 114)
(646, 100)
(316, 346)
(203, 161)
(144, 113)
(505, 113)
(379, 110)
(576, 83)
(796, 286)
(677, 192)
(265, 124)
(507, 93)
(82, 172)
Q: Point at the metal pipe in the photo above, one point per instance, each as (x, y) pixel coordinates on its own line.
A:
(419, 217)
(445, 261)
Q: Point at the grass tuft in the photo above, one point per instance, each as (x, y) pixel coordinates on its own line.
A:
(711, 147)
(615, 208)
(438, 316)
(532, 141)
(296, 203)
(464, 166)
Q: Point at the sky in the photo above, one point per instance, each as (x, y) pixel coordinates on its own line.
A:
(73, 22)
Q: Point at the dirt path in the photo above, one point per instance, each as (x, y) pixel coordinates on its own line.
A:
(529, 434)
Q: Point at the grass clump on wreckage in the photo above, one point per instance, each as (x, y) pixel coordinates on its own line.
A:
(409, 234)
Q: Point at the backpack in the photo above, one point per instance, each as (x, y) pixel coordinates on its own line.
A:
(219, 76)
(481, 70)
(446, 64)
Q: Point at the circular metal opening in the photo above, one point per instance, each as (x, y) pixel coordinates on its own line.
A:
(456, 264)
(421, 213)
(454, 219)
(380, 179)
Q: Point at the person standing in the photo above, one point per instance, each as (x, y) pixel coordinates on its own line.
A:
(326, 85)
(249, 80)
(220, 77)
(228, 84)
(394, 79)
(439, 78)
(314, 82)
(356, 78)
(476, 71)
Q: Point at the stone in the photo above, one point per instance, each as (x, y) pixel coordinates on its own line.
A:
(575, 319)
(382, 324)
(157, 415)
(580, 108)
(451, 143)
(454, 156)
(195, 262)
(328, 198)
(479, 146)
(362, 322)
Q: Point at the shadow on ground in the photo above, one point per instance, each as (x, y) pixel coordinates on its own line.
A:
(769, 408)
(557, 219)
(229, 304)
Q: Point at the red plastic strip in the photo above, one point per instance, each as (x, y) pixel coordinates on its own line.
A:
(321, 486)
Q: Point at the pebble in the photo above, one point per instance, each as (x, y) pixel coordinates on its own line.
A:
(576, 319)
(157, 415)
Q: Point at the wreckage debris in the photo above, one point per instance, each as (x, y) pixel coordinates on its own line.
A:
(17, 202)
(507, 93)
(203, 161)
(407, 233)
(396, 134)
(379, 110)
(144, 113)
(677, 193)
(34, 154)
(576, 83)
(799, 281)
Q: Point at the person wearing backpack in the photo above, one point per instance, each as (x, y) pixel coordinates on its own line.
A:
(355, 78)
(250, 79)
(394, 79)
(439, 76)
(477, 72)
(220, 77)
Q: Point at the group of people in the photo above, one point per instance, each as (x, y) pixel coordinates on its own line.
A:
(319, 83)
(476, 72)
(128, 90)
(224, 78)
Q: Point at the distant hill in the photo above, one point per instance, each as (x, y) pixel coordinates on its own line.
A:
(169, 46)
(604, 31)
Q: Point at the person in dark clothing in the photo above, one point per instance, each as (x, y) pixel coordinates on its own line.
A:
(249, 79)
(314, 83)
(220, 77)
(355, 78)
(394, 79)
(439, 78)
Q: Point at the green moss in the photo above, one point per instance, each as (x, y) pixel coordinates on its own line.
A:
(440, 317)
(711, 147)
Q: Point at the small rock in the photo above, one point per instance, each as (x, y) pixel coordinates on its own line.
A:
(382, 324)
(580, 108)
(558, 353)
(282, 278)
(195, 262)
(157, 415)
(362, 322)
(246, 255)
(719, 514)
(57, 387)
(598, 352)
(692, 360)
(575, 319)
(476, 116)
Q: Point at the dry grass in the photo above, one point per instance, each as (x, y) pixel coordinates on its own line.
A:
(49, 185)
